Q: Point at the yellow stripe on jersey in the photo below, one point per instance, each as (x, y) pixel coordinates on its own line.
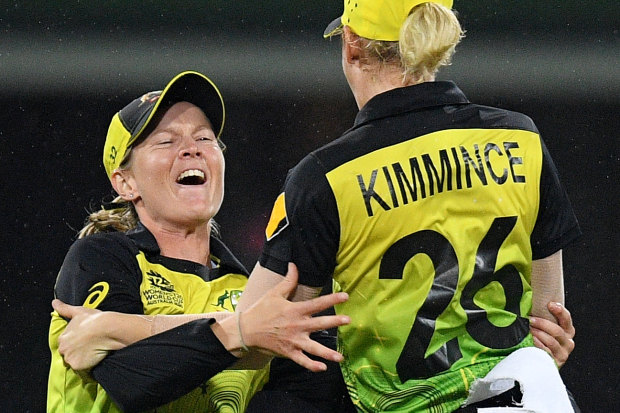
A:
(278, 220)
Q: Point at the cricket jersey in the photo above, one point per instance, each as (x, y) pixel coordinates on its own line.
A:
(125, 272)
(428, 212)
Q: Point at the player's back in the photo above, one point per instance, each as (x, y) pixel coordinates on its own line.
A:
(436, 209)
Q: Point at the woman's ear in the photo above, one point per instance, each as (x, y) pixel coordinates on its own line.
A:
(351, 49)
(122, 184)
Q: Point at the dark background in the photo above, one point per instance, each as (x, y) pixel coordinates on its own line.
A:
(66, 67)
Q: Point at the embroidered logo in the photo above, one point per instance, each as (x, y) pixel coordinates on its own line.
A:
(229, 299)
(161, 290)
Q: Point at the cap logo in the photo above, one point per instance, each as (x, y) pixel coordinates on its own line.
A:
(149, 97)
(113, 153)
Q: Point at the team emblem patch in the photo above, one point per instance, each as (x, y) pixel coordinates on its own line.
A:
(229, 300)
(278, 220)
(161, 291)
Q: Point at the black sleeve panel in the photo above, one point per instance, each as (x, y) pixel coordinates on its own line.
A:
(139, 376)
(556, 225)
(310, 239)
(101, 271)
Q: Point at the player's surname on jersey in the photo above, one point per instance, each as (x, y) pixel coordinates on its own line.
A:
(398, 183)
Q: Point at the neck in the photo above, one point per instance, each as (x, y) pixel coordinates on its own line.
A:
(368, 80)
(191, 244)
(377, 79)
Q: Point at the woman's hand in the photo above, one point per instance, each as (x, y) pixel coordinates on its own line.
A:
(555, 338)
(276, 326)
(89, 336)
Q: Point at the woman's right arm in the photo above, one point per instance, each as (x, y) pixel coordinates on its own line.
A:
(273, 325)
(92, 334)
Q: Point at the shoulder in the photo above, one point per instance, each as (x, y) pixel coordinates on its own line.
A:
(106, 260)
(103, 244)
(493, 117)
(99, 256)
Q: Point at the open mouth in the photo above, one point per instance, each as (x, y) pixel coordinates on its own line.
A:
(191, 177)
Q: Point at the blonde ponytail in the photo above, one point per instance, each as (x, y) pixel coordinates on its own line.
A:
(121, 216)
(428, 39)
(118, 216)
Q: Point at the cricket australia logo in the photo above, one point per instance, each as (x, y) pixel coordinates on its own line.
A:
(229, 299)
(161, 291)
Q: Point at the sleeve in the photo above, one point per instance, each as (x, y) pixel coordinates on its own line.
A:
(289, 383)
(162, 368)
(100, 272)
(556, 225)
(307, 229)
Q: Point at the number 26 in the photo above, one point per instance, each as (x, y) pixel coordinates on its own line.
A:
(412, 364)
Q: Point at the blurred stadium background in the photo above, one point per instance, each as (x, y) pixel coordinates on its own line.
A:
(67, 66)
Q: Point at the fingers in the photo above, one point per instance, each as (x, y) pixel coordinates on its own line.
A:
(552, 346)
(287, 286)
(321, 303)
(325, 322)
(305, 361)
(316, 349)
(65, 310)
(552, 338)
(564, 318)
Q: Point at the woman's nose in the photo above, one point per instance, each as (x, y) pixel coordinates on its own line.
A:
(189, 149)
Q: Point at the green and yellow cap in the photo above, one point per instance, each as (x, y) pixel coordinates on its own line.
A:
(376, 19)
(136, 119)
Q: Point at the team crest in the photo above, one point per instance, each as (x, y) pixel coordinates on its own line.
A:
(278, 220)
(229, 299)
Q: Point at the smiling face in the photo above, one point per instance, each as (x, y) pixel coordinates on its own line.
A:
(175, 176)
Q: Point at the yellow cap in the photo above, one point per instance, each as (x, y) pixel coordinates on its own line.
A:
(376, 19)
(133, 120)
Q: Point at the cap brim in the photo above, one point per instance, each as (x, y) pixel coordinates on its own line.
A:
(334, 28)
(197, 89)
(194, 88)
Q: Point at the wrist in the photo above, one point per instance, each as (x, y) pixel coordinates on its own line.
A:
(227, 331)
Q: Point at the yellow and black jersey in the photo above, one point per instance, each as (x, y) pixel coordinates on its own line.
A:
(428, 212)
(174, 371)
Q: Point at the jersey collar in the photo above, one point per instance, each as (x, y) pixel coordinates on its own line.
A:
(410, 98)
(220, 254)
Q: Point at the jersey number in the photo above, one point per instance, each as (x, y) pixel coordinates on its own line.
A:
(412, 364)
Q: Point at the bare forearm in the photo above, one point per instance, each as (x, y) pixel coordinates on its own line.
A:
(547, 285)
(126, 329)
(163, 323)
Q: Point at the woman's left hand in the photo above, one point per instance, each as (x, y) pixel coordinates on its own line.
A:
(276, 326)
(555, 338)
(84, 343)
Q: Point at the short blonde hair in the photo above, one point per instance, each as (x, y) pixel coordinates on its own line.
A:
(428, 39)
